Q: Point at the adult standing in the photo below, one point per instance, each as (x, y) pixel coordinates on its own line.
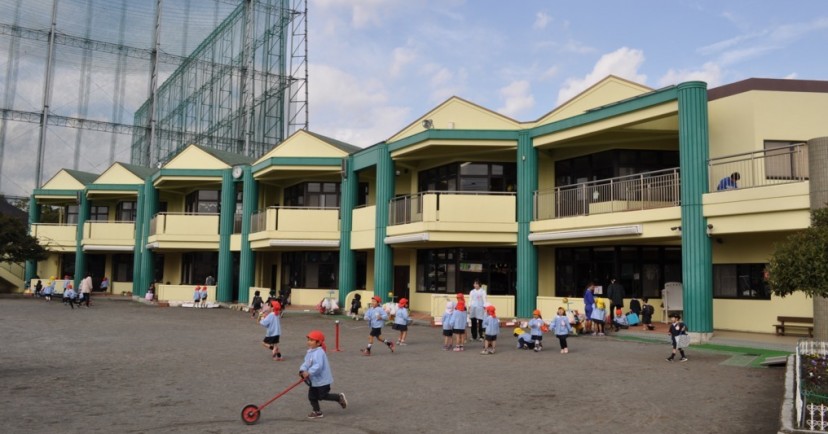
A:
(85, 290)
(477, 310)
(589, 304)
(616, 294)
(210, 281)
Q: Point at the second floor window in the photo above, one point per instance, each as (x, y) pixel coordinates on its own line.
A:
(99, 213)
(202, 202)
(125, 211)
(313, 194)
(468, 176)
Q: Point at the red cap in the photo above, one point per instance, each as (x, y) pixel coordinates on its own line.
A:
(403, 302)
(461, 306)
(460, 296)
(376, 298)
(197, 287)
(536, 312)
(316, 335)
(490, 310)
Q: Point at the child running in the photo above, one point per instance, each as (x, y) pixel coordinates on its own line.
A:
(317, 369)
(256, 305)
(376, 317)
(535, 325)
(677, 328)
(458, 319)
(561, 327)
(491, 325)
(69, 296)
(401, 321)
(448, 326)
(356, 305)
(273, 323)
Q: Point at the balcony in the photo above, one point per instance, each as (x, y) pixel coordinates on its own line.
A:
(184, 231)
(108, 236)
(285, 226)
(649, 190)
(782, 165)
(453, 216)
(56, 237)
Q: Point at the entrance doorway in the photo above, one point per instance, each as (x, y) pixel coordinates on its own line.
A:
(401, 278)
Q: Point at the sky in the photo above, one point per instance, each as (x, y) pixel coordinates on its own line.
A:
(378, 65)
(375, 66)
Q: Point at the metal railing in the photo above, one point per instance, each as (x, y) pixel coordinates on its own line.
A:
(775, 166)
(409, 209)
(649, 190)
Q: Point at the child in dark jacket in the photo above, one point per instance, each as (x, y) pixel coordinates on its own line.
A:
(356, 305)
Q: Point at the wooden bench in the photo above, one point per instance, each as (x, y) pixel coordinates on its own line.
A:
(794, 322)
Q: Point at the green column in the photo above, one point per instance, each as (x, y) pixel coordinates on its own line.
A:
(224, 280)
(347, 259)
(247, 259)
(80, 255)
(138, 250)
(383, 255)
(34, 218)
(147, 257)
(527, 253)
(696, 251)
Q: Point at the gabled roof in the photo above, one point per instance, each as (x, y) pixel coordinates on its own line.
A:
(350, 149)
(82, 177)
(230, 158)
(305, 144)
(609, 90)
(139, 171)
(458, 113)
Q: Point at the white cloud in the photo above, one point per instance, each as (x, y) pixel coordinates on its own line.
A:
(792, 76)
(364, 13)
(623, 62)
(710, 73)
(549, 73)
(400, 58)
(541, 20)
(517, 98)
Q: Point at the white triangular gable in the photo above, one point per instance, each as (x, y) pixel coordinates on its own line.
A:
(63, 181)
(607, 91)
(457, 113)
(302, 144)
(118, 174)
(193, 157)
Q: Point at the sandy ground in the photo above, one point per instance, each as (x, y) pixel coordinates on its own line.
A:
(124, 367)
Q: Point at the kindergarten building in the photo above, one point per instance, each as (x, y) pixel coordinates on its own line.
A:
(620, 181)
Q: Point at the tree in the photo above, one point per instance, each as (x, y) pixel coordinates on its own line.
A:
(16, 245)
(800, 263)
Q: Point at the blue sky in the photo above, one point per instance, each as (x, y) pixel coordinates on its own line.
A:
(377, 65)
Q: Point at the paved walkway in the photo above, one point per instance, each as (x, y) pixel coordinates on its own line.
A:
(131, 368)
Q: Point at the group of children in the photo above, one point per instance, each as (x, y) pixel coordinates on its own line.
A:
(560, 326)
(200, 296)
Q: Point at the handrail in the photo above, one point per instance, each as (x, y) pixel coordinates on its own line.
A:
(15, 269)
(782, 165)
(647, 190)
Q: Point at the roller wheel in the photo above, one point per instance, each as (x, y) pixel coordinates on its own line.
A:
(250, 414)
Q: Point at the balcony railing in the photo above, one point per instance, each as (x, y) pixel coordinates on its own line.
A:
(775, 166)
(658, 189)
(184, 223)
(109, 230)
(411, 209)
(276, 218)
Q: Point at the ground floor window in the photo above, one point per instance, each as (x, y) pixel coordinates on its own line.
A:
(310, 270)
(67, 265)
(196, 266)
(455, 269)
(642, 270)
(740, 281)
(122, 265)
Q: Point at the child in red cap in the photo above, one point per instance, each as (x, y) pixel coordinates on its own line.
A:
(273, 323)
(535, 326)
(376, 317)
(317, 369)
(459, 319)
(401, 321)
(491, 325)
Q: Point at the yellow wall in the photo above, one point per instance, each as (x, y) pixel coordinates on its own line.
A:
(182, 293)
(608, 90)
(63, 181)
(759, 315)
(460, 114)
(117, 174)
(194, 158)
